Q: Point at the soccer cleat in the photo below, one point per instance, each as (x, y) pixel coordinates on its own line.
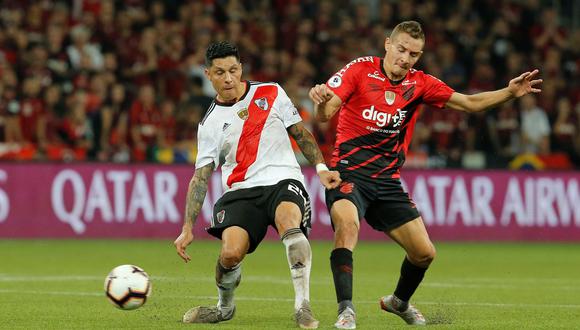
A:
(304, 317)
(411, 315)
(203, 314)
(346, 319)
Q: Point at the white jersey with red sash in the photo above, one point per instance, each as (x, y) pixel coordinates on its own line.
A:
(249, 138)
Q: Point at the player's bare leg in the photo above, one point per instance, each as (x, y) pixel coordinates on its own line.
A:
(235, 245)
(288, 217)
(344, 217)
(413, 237)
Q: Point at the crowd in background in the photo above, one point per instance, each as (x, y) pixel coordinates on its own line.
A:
(122, 81)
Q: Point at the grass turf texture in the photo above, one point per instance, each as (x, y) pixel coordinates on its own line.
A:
(57, 284)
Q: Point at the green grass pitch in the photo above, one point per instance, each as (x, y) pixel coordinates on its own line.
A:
(58, 284)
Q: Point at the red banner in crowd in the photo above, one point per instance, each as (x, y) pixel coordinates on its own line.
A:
(139, 201)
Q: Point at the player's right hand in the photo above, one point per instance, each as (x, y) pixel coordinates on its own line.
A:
(181, 243)
(320, 94)
(330, 179)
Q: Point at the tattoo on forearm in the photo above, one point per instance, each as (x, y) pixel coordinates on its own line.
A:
(306, 142)
(196, 193)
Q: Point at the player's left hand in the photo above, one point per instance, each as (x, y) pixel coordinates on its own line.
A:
(525, 84)
(330, 179)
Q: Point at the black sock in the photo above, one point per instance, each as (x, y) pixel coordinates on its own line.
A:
(411, 277)
(341, 265)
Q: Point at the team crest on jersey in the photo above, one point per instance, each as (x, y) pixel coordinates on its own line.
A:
(262, 103)
(220, 216)
(243, 113)
(390, 97)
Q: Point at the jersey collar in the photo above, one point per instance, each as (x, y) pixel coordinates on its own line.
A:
(229, 104)
(393, 82)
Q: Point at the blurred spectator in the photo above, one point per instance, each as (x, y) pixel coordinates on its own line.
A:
(114, 125)
(504, 130)
(567, 130)
(197, 99)
(76, 129)
(32, 114)
(145, 121)
(535, 126)
(82, 54)
(136, 61)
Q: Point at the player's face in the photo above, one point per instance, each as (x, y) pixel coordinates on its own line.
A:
(403, 51)
(225, 75)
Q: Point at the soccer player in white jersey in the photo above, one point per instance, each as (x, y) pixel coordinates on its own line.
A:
(246, 130)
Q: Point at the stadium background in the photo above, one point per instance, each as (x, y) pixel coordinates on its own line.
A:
(99, 104)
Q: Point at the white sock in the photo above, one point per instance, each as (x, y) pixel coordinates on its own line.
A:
(300, 261)
(227, 279)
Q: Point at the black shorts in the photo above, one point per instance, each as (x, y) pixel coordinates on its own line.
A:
(384, 204)
(254, 209)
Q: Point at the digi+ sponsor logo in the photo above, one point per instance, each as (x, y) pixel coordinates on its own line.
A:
(382, 118)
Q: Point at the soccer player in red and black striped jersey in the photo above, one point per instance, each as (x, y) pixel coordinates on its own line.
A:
(378, 101)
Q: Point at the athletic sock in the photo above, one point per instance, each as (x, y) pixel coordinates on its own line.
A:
(411, 277)
(227, 279)
(341, 266)
(299, 260)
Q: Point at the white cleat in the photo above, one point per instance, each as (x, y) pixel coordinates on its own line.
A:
(202, 314)
(346, 319)
(411, 315)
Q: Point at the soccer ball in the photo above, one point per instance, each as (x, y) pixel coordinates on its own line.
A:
(127, 287)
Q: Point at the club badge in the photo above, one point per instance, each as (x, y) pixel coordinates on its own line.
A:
(390, 97)
(262, 103)
(220, 216)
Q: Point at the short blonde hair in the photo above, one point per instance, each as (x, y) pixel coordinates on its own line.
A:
(412, 28)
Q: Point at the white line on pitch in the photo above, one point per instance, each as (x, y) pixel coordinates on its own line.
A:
(242, 298)
(473, 284)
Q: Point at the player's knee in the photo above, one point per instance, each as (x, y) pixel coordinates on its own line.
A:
(423, 257)
(347, 230)
(231, 256)
(346, 235)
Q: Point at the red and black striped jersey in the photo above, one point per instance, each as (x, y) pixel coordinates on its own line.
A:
(377, 116)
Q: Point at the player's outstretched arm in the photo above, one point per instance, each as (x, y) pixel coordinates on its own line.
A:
(310, 150)
(195, 196)
(326, 103)
(517, 87)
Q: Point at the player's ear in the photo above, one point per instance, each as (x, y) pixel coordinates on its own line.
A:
(206, 71)
(387, 43)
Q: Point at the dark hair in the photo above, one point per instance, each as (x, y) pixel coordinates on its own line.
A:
(412, 28)
(220, 50)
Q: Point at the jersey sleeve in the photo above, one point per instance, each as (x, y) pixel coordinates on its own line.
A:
(288, 111)
(343, 83)
(207, 147)
(437, 93)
